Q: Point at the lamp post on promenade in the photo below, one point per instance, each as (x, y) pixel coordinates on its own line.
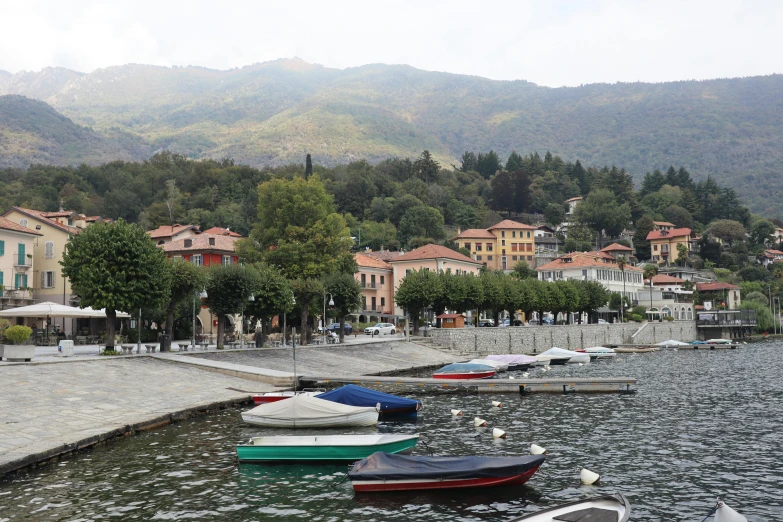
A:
(331, 303)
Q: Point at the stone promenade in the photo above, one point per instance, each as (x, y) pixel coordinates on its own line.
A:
(49, 409)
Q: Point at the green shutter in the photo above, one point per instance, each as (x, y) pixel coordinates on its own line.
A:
(24, 280)
(21, 254)
(2, 248)
(1, 278)
(16, 281)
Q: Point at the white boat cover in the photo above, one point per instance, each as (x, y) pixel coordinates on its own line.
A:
(574, 357)
(498, 365)
(672, 342)
(599, 349)
(512, 359)
(309, 411)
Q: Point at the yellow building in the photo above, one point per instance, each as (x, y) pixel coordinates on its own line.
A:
(663, 243)
(54, 230)
(501, 246)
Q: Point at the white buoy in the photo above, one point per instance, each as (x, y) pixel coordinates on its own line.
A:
(725, 514)
(479, 422)
(535, 449)
(497, 404)
(581, 364)
(511, 377)
(456, 413)
(497, 433)
(588, 477)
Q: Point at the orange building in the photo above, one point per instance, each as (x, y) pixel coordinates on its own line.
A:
(663, 243)
(500, 246)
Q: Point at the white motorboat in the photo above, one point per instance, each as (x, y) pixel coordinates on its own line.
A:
(559, 353)
(614, 508)
(672, 343)
(600, 352)
(514, 361)
(303, 411)
(497, 365)
(719, 341)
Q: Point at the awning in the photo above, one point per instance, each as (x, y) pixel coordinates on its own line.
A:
(49, 309)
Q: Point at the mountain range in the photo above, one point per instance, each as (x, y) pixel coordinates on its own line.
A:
(276, 112)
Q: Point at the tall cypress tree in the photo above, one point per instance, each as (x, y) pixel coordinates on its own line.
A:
(308, 166)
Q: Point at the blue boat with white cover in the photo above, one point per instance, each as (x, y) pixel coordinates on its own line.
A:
(391, 405)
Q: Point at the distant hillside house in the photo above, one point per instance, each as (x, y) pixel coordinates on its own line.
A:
(217, 231)
(663, 243)
(594, 266)
(616, 250)
(771, 256)
(168, 233)
(720, 294)
(664, 225)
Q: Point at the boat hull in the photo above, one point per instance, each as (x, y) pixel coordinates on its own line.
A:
(470, 375)
(266, 398)
(612, 503)
(366, 418)
(328, 453)
(367, 486)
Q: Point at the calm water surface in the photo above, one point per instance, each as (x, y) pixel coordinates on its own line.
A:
(702, 424)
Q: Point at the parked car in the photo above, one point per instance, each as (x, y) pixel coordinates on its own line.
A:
(486, 322)
(549, 321)
(380, 329)
(603, 321)
(335, 327)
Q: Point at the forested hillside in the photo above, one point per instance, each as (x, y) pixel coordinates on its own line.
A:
(275, 113)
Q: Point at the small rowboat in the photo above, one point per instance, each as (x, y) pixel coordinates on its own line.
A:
(264, 398)
(606, 508)
(464, 371)
(571, 357)
(302, 411)
(385, 472)
(600, 352)
(391, 405)
(323, 448)
(636, 349)
(514, 361)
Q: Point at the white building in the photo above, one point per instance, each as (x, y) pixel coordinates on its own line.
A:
(594, 266)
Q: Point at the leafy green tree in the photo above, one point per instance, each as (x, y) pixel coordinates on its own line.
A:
(421, 222)
(469, 162)
(502, 197)
(493, 292)
(592, 297)
(417, 290)
(682, 254)
(644, 225)
(400, 206)
(522, 270)
(187, 280)
(229, 288)
(761, 232)
(488, 164)
(678, 215)
(467, 293)
(347, 296)
(379, 236)
(570, 302)
(308, 293)
(117, 267)
(727, 230)
(554, 214)
(426, 167)
(600, 211)
(514, 162)
(272, 296)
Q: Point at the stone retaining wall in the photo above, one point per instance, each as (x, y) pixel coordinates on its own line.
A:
(536, 339)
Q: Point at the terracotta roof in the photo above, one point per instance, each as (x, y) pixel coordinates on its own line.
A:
(61, 213)
(433, 252)
(169, 231)
(475, 233)
(217, 231)
(91, 219)
(369, 261)
(200, 243)
(616, 246)
(712, 287)
(582, 260)
(665, 279)
(774, 252)
(578, 198)
(666, 234)
(41, 216)
(507, 223)
(384, 255)
(16, 227)
(664, 224)
(448, 316)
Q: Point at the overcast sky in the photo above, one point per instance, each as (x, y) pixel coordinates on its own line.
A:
(548, 42)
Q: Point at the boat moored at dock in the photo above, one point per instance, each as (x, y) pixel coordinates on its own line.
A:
(303, 411)
(465, 371)
(390, 405)
(323, 448)
(606, 508)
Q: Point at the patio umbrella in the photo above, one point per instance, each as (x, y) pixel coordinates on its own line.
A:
(102, 313)
(48, 309)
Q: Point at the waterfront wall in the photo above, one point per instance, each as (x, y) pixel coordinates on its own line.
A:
(536, 339)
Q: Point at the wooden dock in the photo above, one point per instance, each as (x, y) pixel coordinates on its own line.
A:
(521, 386)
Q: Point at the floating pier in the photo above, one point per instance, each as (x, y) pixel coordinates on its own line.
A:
(521, 386)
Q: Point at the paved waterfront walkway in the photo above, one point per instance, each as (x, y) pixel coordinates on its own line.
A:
(49, 409)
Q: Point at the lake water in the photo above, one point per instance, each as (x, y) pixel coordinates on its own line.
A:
(702, 424)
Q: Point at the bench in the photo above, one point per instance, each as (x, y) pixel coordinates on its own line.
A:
(127, 349)
(150, 348)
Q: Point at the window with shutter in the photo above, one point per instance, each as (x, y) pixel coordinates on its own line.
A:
(49, 250)
(23, 222)
(1, 278)
(2, 248)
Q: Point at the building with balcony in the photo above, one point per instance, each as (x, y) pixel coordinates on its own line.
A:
(664, 225)
(594, 266)
(616, 250)
(500, 246)
(770, 256)
(375, 276)
(719, 295)
(17, 244)
(664, 243)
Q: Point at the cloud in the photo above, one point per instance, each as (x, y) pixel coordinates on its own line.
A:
(547, 42)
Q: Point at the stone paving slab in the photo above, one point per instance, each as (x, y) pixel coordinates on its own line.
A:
(365, 359)
(48, 410)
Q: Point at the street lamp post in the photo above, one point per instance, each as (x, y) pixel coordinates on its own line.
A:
(293, 300)
(199, 295)
(331, 303)
(251, 299)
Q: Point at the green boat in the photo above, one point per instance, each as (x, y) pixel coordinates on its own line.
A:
(323, 448)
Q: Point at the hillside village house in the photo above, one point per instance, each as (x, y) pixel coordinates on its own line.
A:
(771, 256)
(664, 225)
(616, 250)
(663, 243)
(594, 266)
(17, 270)
(720, 295)
(380, 274)
(201, 249)
(663, 296)
(500, 246)
(55, 229)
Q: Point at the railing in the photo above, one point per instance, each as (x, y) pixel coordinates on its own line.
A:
(722, 318)
(371, 285)
(23, 262)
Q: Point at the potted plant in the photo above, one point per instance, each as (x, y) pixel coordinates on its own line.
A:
(18, 351)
